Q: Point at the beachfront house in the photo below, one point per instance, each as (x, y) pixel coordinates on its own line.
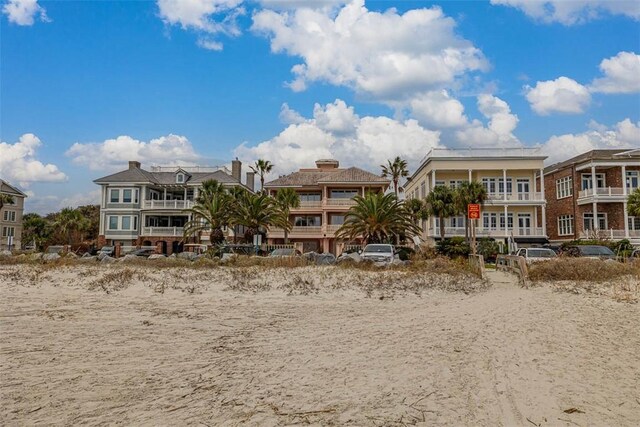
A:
(587, 196)
(326, 193)
(141, 207)
(11, 217)
(515, 210)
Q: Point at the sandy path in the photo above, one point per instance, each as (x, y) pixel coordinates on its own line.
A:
(508, 356)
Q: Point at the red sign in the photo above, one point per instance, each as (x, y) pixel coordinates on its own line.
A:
(473, 211)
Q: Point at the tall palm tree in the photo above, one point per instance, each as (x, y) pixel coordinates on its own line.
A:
(469, 193)
(441, 204)
(5, 199)
(395, 170)
(286, 198)
(209, 188)
(418, 210)
(633, 203)
(69, 220)
(209, 213)
(376, 218)
(261, 168)
(256, 212)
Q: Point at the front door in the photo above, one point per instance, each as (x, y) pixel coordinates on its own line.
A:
(523, 189)
(524, 224)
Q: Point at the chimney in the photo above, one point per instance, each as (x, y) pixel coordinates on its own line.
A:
(236, 169)
(251, 181)
(134, 165)
(325, 164)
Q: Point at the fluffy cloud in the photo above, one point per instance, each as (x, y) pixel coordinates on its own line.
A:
(24, 12)
(621, 74)
(438, 108)
(18, 163)
(563, 95)
(114, 153)
(569, 12)
(386, 56)
(499, 129)
(624, 134)
(336, 131)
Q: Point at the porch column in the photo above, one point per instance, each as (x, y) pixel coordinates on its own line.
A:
(504, 184)
(535, 220)
(363, 191)
(626, 218)
(165, 193)
(433, 185)
(624, 182)
(594, 187)
(470, 179)
(542, 184)
(185, 194)
(196, 192)
(544, 219)
(506, 221)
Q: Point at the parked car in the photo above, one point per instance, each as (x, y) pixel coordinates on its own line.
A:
(284, 252)
(536, 254)
(378, 253)
(590, 251)
(143, 253)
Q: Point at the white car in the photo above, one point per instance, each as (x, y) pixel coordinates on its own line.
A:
(378, 253)
(536, 254)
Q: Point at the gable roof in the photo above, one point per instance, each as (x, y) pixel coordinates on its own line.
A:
(7, 188)
(137, 175)
(312, 177)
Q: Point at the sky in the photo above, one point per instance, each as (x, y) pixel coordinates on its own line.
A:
(86, 86)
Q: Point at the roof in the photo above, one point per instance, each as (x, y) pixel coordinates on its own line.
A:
(616, 154)
(7, 188)
(312, 177)
(137, 175)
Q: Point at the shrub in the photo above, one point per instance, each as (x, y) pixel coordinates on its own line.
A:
(582, 269)
(454, 247)
(488, 248)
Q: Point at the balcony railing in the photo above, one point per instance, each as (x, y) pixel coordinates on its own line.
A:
(163, 231)
(602, 191)
(490, 232)
(340, 202)
(167, 204)
(310, 203)
(516, 197)
(332, 228)
(610, 233)
(300, 230)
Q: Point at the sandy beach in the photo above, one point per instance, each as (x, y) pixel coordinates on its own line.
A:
(94, 345)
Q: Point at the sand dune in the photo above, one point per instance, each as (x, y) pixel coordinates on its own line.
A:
(221, 347)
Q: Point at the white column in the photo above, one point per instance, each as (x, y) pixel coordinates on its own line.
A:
(594, 187)
(535, 219)
(542, 184)
(506, 221)
(504, 184)
(433, 179)
(470, 179)
(624, 182)
(185, 194)
(165, 193)
(544, 219)
(196, 193)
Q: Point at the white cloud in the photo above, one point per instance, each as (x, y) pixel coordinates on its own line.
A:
(336, 131)
(562, 95)
(499, 129)
(297, 4)
(624, 134)
(289, 116)
(24, 12)
(438, 108)
(387, 56)
(18, 163)
(621, 74)
(569, 12)
(44, 203)
(114, 153)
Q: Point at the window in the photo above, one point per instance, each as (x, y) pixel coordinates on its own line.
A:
(440, 183)
(456, 183)
(8, 231)
(343, 194)
(564, 187)
(310, 197)
(489, 185)
(135, 222)
(565, 225)
(509, 221)
(501, 185)
(490, 220)
(634, 223)
(307, 221)
(180, 178)
(114, 196)
(587, 182)
(588, 221)
(126, 223)
(423, 189)
(336, 219)
(9, 216)
(457, 221)
(126, 196)
(633, 180)
(113, 223)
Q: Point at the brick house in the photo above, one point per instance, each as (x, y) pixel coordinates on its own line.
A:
(599, 182)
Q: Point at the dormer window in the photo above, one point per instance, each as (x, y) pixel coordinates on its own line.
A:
(180, 178)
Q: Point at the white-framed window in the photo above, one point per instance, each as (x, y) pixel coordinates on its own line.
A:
(310, 197)
(509, 185)
(565, 225)
(633, 180)
(9, 216)
(127, 195)
(564, 187)
(423, 189)
(307, 220)
(125, 223)
(440, 183)
(509, 221)
(456, 183)
(456, 221)
(588, 221)
(336, 219)
(490, 220)
(124, 195)
(180, 178)
(114, 195)
(8, 231)
(634, 223)
(122, 222)
(490, 184)
(113, 222)
(587, 182)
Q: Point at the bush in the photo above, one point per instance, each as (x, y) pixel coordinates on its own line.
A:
(488, 248)
(582, 269)
(455, 247)
(405, 253)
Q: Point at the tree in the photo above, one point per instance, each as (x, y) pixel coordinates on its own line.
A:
(418, 210)
(633, 203)
(286, 198)
(5, 199)
(36, 230)
(210, 213)
(377, 217)
(256, 212)
(210, 188)
(68, 221)
(91, 225)
(261, 168)
(441, 204)
(469, 193)
(395, 170)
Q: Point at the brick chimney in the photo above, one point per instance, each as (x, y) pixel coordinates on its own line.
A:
(251, 181)
(134, 165)
(236, 169)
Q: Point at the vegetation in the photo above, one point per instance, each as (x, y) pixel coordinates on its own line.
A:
(210, 213)
(633, 203)
(454, 247)
(261, 168)
(441, 204)
(256, 212)
(377, 218)
(469, 193)
(582, 269)
(395, 170)
(5, 199)
(79, 226)
(488, 248)
(619, 247)
(286, 198)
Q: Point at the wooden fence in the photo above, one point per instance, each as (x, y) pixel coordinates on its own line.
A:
(514, 264)
(477, 265)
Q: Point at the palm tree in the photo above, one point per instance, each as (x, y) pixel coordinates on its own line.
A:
(441, 204)
(395, 170)
(256, 212)
(5, 199)
(261, 168)
(209, 188)
(418, 210)
(209, 213)
(69, 220)
(286, 198)
(377, 217)
(469, 193)
(633, 203)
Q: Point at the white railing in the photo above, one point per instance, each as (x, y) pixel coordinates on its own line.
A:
(297, 230)
(608, 234)
(167, 204)
(515, 197)
(162, 231)
(340, 202)
(490, 232)
(602, 191)
(483, 152)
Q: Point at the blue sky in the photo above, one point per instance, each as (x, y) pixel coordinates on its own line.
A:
(86, 86)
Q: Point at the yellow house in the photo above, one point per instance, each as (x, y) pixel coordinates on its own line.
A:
(514, 179)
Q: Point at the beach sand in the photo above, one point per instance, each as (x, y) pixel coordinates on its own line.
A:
(188, 347)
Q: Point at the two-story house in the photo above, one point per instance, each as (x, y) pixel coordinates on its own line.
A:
(515, 209)
(11, 217)
(587, 196)
(326, 194)
(140, 207)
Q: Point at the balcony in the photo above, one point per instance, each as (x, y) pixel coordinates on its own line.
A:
(611, 234)
(297, 232)
(163, 231)
(602, 194)
(515, 198)
(339, 203)
(167, 204)
(491, 232)
(306, 204)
